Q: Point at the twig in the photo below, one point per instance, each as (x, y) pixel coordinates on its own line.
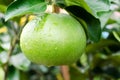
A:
(65, 72)
(13, 44)
(9, 54)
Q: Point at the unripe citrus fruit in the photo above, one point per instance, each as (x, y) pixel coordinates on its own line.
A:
(56, 39)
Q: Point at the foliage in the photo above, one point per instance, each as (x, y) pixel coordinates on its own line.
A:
(100, 20)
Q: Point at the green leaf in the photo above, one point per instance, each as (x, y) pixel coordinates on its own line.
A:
(13, 73)
(1, 49)
(1, 23)
(3, 58)
(80, 3)
(98, 5)
(6, 2)
(24, 75)
(21, 7)
(60, 3)
(104, 16)
(84, 60)
(91, 6)
(97, 77)
(76, 74)
(101, 59)
(101, 44)
(115, 58)
(3, 8)
(97, 60)
(93, 24)
(117, 35)
(23, 63)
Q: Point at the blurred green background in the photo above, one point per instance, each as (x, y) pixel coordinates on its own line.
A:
(100, 61)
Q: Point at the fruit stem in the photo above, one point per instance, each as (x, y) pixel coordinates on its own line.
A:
(55, 8)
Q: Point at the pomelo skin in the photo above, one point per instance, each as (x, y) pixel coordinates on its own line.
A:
(57, 39)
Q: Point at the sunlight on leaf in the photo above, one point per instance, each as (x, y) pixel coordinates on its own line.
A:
(22, 7)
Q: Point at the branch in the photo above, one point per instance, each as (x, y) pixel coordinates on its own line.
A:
(65, 72)
(9, 55)
(13, 44)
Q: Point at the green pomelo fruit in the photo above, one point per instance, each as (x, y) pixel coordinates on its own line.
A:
(56, 39)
